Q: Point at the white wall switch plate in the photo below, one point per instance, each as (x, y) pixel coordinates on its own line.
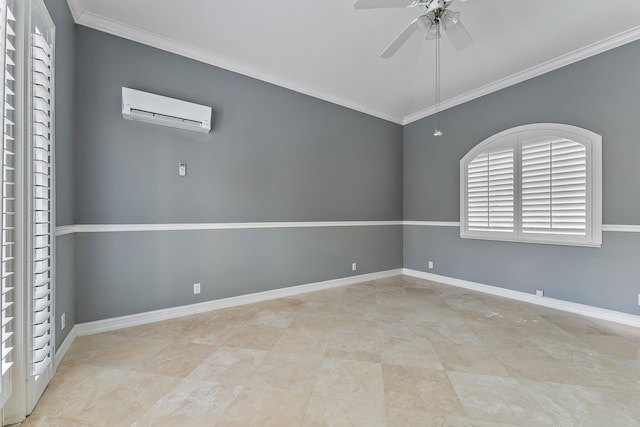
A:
(196, 288)
(182, 169)
(354, 266)
(430, 264)
(540, 293)
(62, 321)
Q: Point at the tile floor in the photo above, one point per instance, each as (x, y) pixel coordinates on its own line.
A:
(394, 352)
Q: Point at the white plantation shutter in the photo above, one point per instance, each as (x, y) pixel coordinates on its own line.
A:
(7, 261)
(538, 183)
(490, 192)
(41, 203)
(554, 187)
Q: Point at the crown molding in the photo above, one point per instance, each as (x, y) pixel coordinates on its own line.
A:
(129, 32)
(609, 43)
(77, 9)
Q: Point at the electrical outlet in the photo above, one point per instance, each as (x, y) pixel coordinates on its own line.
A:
(430, 264)
(62, 321)
(354, 266)
(196, 288)
(540, 293)
(182, 169)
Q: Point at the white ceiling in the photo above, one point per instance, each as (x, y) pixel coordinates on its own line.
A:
(326, 49)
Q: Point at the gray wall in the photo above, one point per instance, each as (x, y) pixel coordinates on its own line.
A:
(273, 155)
(65, 165)
(134, 272)
(599, 94)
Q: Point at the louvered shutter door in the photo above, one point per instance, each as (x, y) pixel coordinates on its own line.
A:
(490, 192)
(7, 263)
(554, 187)
(42, 227)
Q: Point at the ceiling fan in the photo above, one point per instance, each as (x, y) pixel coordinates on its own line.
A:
(438, 16)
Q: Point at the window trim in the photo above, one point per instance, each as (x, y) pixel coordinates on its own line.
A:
(514, 137)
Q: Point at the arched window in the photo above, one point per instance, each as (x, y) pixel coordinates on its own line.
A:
(539, 183)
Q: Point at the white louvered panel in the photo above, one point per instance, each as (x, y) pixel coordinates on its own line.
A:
(554, 187)
(7, 260)
(41, 166)
(40, 355)
(42, 366)
(490, 192)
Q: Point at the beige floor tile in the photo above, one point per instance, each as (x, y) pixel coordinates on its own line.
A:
(36, 421)
(355, 344)
(419, 389)
(405, 328)
(133, 394)
(349, 380)
(394, 297)
(234, 316)
(525, 360)
(259, 407)
(498, 399)
(326, 321)
(212, 333)
(448, 333)
(174, 329)
(273, 318)
(416, 351)
(294, 372)
(190, 403)
(228, 365)
(406, 417)
(255, 337)
(123, 352)
(74, 388)
(302, 340)
(583, 406)
(613, 346)
(322, 354)
(176, 360)
(340, 413)
(391, 315)
(437, 312)
(469, 358)
(575, 325)
(84, 347)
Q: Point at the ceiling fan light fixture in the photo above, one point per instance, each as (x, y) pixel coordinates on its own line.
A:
(433, 32)
(450, 19)
(425, 24)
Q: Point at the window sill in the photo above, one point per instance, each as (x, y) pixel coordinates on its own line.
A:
(535, 241)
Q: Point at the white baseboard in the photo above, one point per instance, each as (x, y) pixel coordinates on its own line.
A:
(571, 307)
(112, 324)
(65, 346)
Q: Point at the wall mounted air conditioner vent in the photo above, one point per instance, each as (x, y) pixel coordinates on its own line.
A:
(160, 110)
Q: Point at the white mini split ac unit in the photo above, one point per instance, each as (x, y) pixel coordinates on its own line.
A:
(160, 110)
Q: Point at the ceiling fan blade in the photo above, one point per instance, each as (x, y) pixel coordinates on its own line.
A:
(459, 36)
(401, 39)
(379, 4)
